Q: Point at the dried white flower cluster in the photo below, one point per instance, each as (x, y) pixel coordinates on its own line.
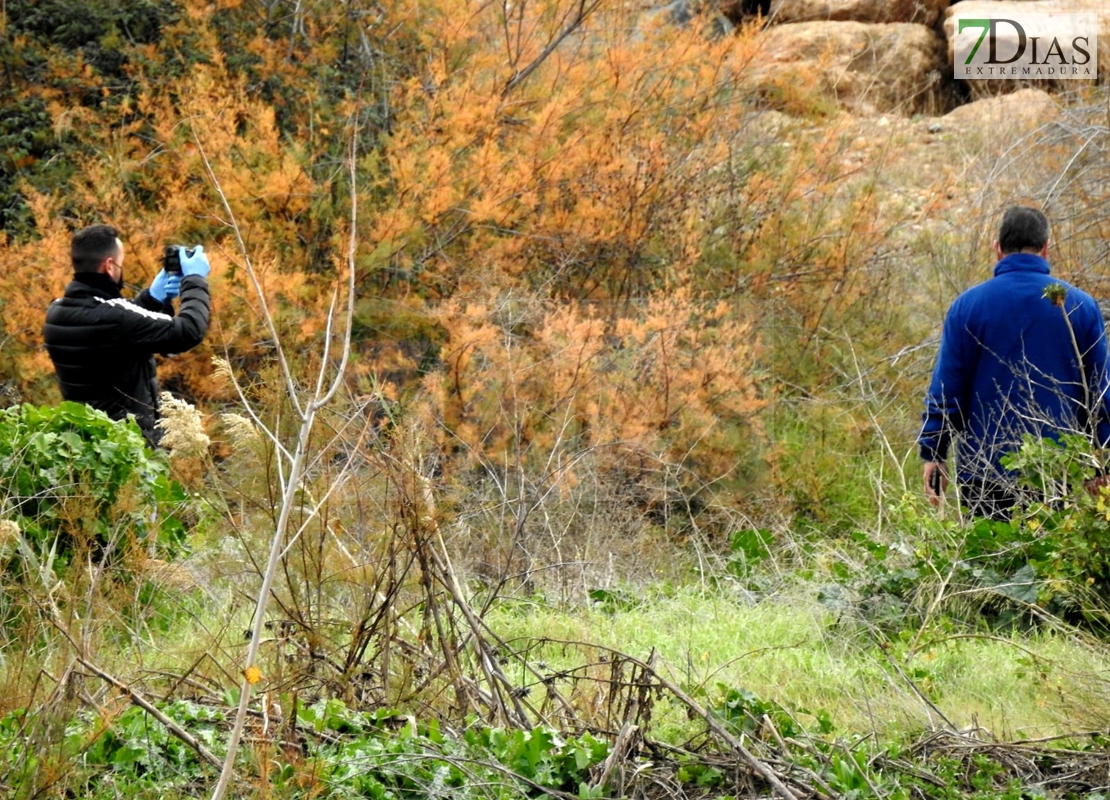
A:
(9, 537)
(221, 369)
(182, 428)
(241, 432)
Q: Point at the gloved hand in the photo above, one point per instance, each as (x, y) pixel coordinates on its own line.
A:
(195, 264)
(165, 286)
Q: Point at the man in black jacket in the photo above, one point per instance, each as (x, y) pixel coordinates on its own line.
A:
(103, 346)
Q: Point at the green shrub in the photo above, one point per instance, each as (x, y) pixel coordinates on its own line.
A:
(1067, 545)
(339, 752)
(69, 475)
(71, 24)
(1052, 557)
(29, 151)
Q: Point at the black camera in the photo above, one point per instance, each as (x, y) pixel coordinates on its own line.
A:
(934, 481)
(171, 258)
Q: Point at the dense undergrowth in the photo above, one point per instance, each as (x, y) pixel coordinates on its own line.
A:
(596, 480)
(820, 667)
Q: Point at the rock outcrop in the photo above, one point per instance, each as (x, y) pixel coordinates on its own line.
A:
(871, 57)
(924, 12)
(866, 68)
(1017, 112)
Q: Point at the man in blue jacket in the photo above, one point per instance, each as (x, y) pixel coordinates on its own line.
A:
(1013, 359)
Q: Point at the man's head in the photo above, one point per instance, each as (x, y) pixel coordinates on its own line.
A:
(98, 248)
(1023, 230)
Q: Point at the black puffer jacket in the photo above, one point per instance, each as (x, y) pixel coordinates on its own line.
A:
(103, 346)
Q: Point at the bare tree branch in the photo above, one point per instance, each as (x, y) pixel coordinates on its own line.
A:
(291, 483)
(149, 708)
(583, 10)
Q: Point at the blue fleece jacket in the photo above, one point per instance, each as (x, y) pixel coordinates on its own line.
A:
(1007, 365)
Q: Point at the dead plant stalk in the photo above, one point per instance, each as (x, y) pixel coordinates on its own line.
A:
(306, 412)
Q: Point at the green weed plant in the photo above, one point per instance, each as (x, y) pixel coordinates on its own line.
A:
(1049, 561)
(328, 750)
(69, 472)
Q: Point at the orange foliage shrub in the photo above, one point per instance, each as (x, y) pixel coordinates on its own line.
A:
(142, 168)
(542, 384)
(550, 205)
(580, 177)
(572, 167)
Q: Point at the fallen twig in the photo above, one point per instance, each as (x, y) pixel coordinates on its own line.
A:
(171, 726)
(773, 778)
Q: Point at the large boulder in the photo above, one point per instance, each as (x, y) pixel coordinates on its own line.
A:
(1016, 113)
(926, 12)
(1004, 8)
(863, 68)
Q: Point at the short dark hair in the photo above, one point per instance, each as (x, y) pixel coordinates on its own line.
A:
(90, 246)
(1023, 228)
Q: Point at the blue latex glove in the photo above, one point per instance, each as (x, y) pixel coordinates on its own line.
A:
(165, 286)
(196, 264)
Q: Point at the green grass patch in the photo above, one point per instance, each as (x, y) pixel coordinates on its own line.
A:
(796, 653)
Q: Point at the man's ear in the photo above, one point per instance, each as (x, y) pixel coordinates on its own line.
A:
(1044, 250)
(108, 267)
(997, 250)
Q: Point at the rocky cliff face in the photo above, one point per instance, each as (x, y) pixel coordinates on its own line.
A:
(867, 68)
(873, 57)
(922, 12)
